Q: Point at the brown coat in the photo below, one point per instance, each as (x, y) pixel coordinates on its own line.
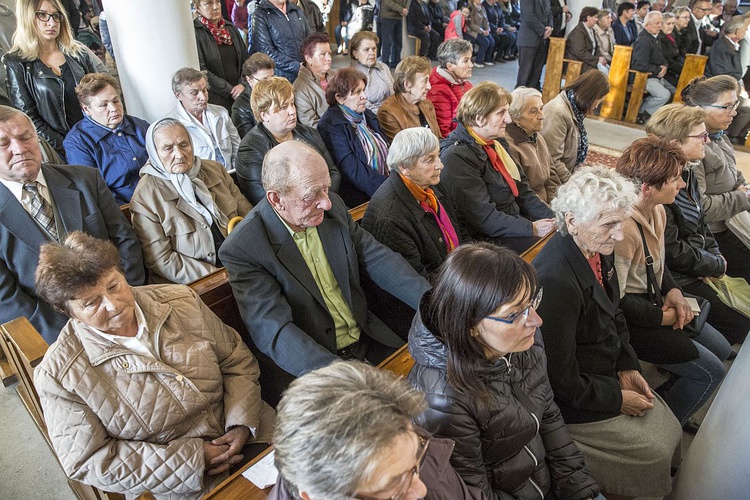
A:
(127, 423)
(560, 131)
(534, 158)
(395, 114)
(178, 245)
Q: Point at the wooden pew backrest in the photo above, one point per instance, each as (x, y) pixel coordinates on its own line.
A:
(695, 65)
(619, 71)
(554, 69)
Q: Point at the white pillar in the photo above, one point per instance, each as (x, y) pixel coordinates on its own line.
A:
(151, 40)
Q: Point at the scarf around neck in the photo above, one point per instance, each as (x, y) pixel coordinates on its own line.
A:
(374, 145)
(219, 30)
(583, 138)
(500, 160)
(188, 186)
(429, 202)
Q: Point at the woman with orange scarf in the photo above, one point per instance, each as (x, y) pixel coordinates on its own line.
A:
(405, 214)
(481, 179)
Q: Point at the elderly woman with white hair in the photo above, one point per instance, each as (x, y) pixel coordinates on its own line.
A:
(626, 432)
(405, 214)
(527, 145)
(181, 207)
(345, 431)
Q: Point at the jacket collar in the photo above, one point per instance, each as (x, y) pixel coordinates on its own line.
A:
(98, 131)
(583, 272)
(290, 6)
(517, 134)
(98, 349)
(403, 193)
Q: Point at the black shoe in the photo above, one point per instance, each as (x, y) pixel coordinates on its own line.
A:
(691, 426)
(732, 355)
(642, 118)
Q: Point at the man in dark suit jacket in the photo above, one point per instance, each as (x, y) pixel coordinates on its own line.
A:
(624, 27)
(648, 58)
(699, 39)
(294, 264)
(536, 28)
(419, 24)
(77, 199)
(582, 45)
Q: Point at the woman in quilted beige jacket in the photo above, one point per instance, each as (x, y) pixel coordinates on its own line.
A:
(145, 389)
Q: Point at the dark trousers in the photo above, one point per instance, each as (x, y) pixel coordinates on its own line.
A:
(390, 42)
(733, 325)
(531, 60)
(429, 41)
(486, 48)
(736, 253)
(502, 40)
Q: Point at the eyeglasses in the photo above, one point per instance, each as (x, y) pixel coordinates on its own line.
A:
(405, 482)
(46, 16)
(703, 136)
(522, 314)
(728, 107)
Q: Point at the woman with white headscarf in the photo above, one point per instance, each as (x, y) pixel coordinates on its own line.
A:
(181, 206)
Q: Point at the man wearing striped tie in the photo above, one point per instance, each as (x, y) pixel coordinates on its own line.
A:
(41, 203)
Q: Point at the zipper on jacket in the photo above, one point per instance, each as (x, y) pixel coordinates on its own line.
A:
(537, 488)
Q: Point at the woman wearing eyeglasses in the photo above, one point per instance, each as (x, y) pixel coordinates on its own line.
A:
(480, 360)
(724, 191)
(43, 68)
(692, 250)
(626, 432)
(345, 431)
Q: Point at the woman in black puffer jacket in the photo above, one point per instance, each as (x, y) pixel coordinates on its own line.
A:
(479, 359)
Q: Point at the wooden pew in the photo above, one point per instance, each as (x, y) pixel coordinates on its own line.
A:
(554, 72)
(26, 349)
(7, 373)
(613, 105)
(695, 65)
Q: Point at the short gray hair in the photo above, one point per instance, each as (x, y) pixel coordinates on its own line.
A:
(333, 421)
(589, 192)
(648, 18)
(186, 76)
(409, 145)
(666, 16)
(736, 24)
(451, 50)
(678, 11)
(8, 113)
(519, 100)
(276, 174)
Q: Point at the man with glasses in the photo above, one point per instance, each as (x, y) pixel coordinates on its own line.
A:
(699, 38)
(346, 431)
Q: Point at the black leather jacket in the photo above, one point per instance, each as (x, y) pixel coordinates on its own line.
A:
(37, 91)
(209, 58)
(258, 142)
(242, 114)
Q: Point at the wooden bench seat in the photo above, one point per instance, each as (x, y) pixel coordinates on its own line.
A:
(554, 70)
(694, 66)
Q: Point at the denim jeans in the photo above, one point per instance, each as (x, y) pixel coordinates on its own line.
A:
(698, 378)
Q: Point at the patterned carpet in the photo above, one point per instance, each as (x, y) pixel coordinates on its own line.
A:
(599, 155)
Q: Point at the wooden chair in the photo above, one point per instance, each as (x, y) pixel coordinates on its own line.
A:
(636, 96)
(554, 72)
(417, 44)
(695, 65)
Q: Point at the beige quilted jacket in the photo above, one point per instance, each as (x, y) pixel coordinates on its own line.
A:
(128, 424)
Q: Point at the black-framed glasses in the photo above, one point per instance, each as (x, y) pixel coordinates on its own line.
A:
(46, 16)
(703, 136)
(404, 483)
(728, 107)
(524, 314)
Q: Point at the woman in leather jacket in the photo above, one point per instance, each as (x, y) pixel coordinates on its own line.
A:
(480, 361)
(43, 68)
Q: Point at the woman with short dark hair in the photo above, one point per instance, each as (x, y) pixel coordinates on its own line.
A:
(182, 395)
(256, 68)
(354, 138)
(480, 361)
(364, 54)
(310, 85)
(564, 129)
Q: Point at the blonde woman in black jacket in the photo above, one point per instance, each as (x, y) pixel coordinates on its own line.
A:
(43, 68)
(480, 361)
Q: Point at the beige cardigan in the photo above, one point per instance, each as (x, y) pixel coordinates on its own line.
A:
(560, 132)
(178, 245)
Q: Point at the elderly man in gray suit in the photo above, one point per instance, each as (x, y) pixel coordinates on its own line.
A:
(294, 264)
(41, 203)
(536, 28)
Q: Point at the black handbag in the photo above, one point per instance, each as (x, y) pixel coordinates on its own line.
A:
(692, 329)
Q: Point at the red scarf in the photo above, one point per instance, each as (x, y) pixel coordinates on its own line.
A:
(495, 160)
(429, 202)
(218, 31)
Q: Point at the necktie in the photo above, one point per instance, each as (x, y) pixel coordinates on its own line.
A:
(39, 208)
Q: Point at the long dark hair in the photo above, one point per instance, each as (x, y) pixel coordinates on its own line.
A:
(472, 283)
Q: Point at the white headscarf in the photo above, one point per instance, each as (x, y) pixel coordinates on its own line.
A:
(188, 185)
